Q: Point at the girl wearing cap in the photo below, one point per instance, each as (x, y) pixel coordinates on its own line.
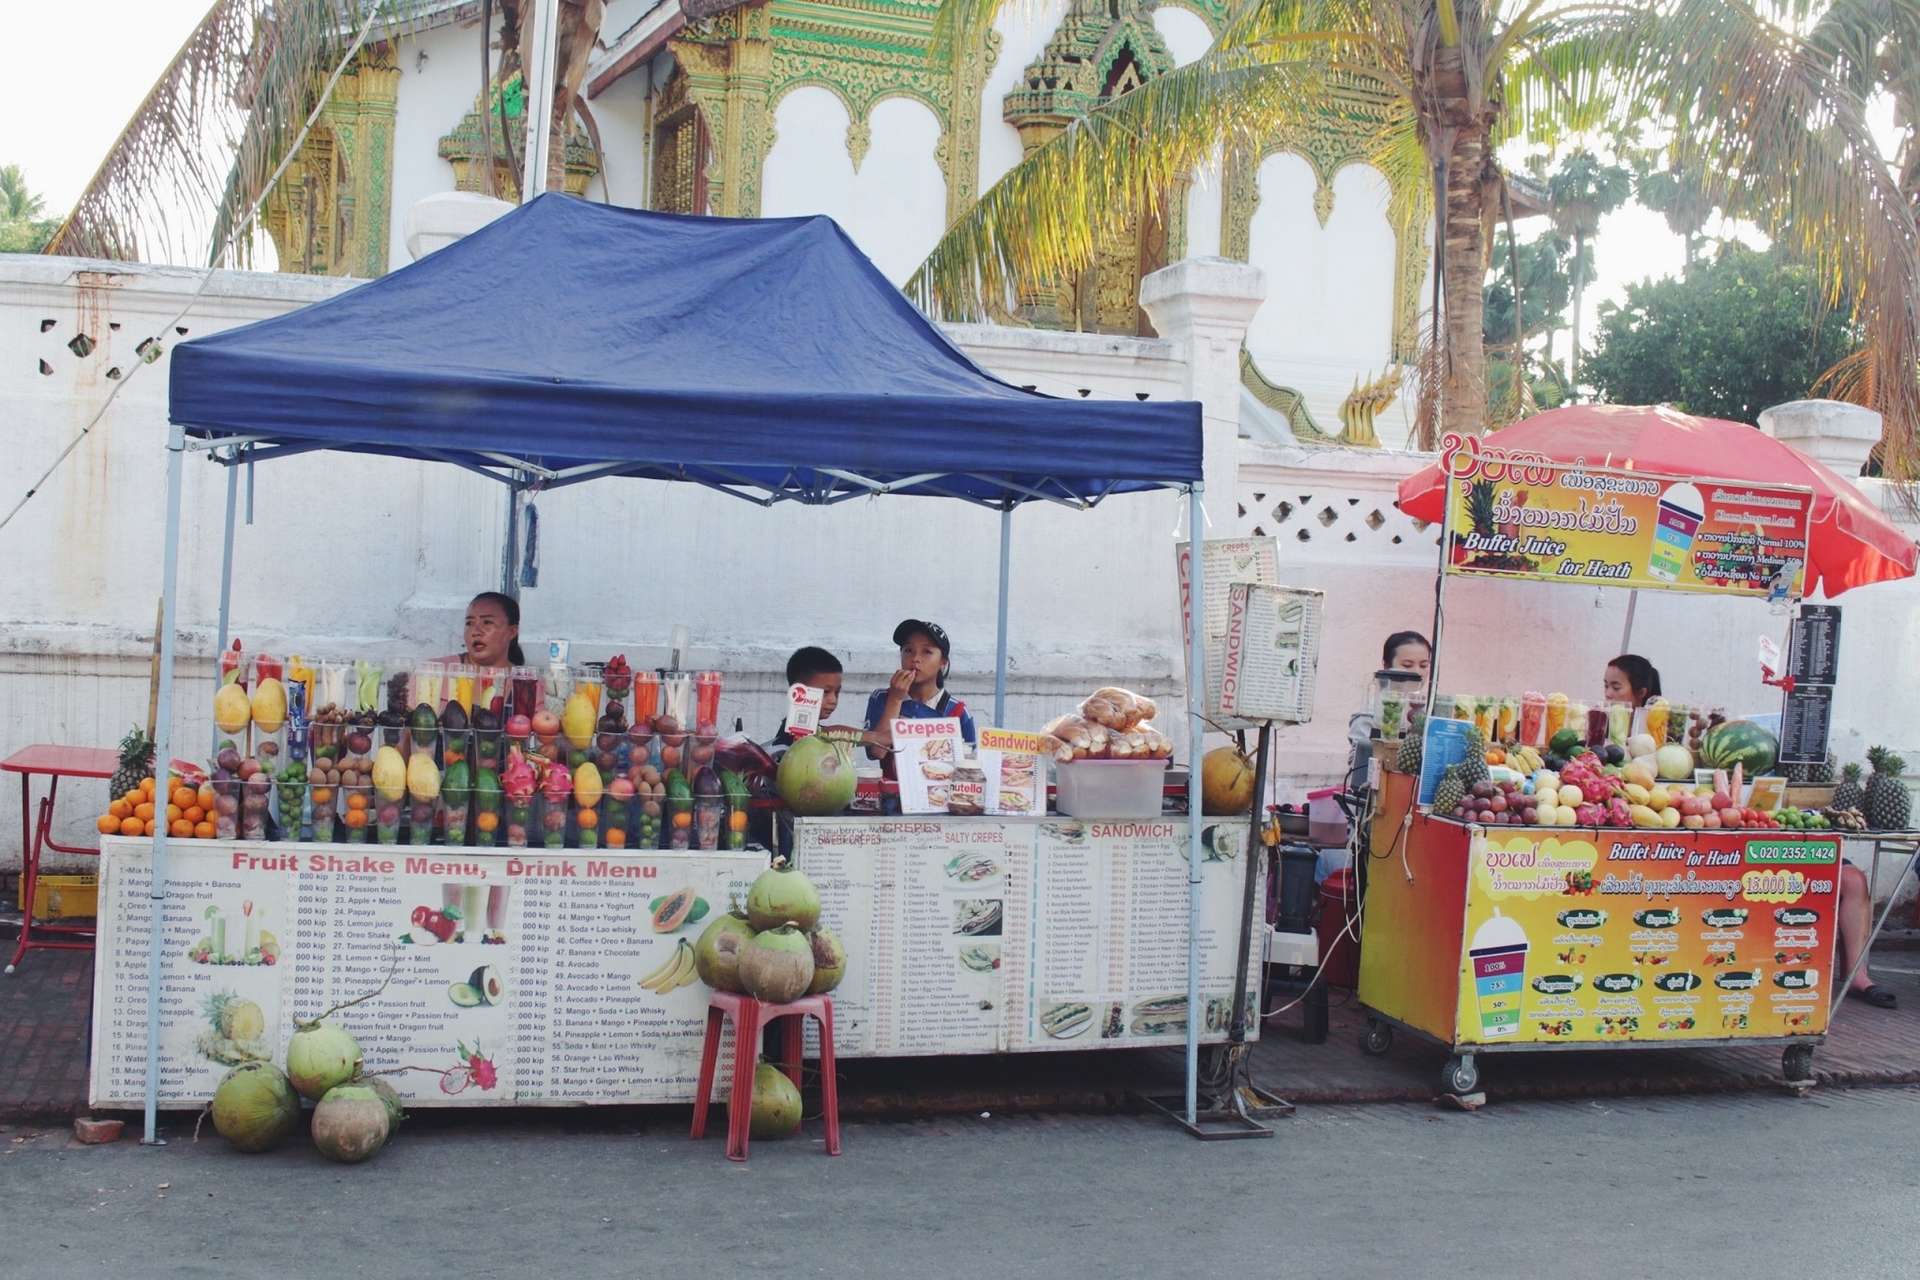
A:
(918, 690)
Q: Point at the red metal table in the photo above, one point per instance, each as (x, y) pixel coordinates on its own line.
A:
(36, 833)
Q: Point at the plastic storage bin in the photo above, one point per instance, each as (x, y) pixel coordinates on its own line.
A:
(1110, 788)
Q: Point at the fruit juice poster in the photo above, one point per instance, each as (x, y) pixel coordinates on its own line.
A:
(1518, 517)
(1647, 936)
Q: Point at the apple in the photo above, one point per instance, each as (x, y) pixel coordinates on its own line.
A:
(1693, 822)
(1721, 800)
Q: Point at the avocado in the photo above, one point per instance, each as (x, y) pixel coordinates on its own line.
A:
(453, 719)
(677, 788)
(486, 720)
(486, 985)
(465, 995)
(457, 781)
(487, 783)
(424, 721)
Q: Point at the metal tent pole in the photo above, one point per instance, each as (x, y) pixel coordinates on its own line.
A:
(1196, 732)
(1000, 635)
(226, 570)
(162, 762)
(1626, 632)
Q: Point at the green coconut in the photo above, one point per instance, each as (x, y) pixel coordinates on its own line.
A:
(776, 1104)
(351, 1123)
(321, 1056)
(396, 1112)
(777, 965)
(817, 776)
(255, 1107)
(783, 895)
(717, 954)
(829, 961)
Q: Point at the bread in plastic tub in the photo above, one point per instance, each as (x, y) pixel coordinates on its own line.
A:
(1130, 788)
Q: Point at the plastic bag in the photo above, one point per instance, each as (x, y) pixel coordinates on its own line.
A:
(1118, 709)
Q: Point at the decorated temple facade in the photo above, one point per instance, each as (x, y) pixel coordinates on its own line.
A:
(851, 108)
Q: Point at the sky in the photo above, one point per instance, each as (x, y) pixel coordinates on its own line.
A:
(58, 133)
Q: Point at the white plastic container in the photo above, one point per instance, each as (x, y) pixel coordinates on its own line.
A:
(1110, 788)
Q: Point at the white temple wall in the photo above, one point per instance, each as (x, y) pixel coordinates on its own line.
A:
(439, 84)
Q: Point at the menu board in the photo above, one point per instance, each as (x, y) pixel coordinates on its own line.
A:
(1813, 663)
(1271, 652)
(1224, 562)
(538, 977)
(1011, 763)
(526, 978)
(925, 755)
(1522, 517)
(1813, 652)
(1645, 936)
(1025, 935)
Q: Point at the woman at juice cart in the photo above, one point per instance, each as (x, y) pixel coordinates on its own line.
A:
(917, 691)
(1403, 651)
(492, 633)
(1632, 679)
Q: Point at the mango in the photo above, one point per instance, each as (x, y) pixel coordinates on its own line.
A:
(576, 721)
(389, 774)
(270, 705)
(1637, 794)
(1670, 818)
(1644, 817)
(1658, 800)
(587, 787)
(231, 711)
(423, 778)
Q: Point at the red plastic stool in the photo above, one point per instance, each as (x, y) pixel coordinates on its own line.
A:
(749, 1016)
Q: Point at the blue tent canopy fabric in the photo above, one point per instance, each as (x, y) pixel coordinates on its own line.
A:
(568, 340)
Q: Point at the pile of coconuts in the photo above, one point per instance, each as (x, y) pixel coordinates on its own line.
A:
(257, 1105)
(775, 951)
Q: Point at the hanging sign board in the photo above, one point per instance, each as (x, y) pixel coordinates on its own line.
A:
(1225, 562)
(1271, 652)
(1813, 662)
(1813, 654)
(1519, 517)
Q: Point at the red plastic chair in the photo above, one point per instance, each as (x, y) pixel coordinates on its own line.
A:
(749, 1016)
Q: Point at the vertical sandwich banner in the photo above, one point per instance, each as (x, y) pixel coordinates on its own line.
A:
(1516, 517)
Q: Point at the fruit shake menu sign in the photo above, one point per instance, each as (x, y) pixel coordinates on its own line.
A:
(1647, 936)
(1515, 516)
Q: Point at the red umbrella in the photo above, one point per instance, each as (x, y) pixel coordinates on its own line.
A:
(1852, 544)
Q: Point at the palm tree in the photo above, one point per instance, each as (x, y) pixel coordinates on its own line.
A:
(1583, 191)
(1785, 136)
(1675, 194)
(17, 203)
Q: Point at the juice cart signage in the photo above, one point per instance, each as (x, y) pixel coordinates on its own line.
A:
(1521, 516)
(1646, 937)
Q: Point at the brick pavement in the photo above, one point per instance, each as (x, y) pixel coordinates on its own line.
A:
(44, 1026)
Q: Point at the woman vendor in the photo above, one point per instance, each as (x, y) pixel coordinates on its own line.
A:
(492, 633)
(1632, 679)
(1403, 651)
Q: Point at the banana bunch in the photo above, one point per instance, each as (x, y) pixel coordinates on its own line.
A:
(678, 970)
(1527, 760)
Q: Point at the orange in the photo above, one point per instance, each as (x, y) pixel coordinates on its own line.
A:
(146, 786)
(204, 797)
(120, 809)
(107, 825)
(130, 826)
(616, 838)
(183, 798)
(588, 819)
(322, 794)
(203, 831)
(146, 828)
(355, 818)
(356, 802)
(173, 812)
(194, 813)
(682, 819)
(181, 829)
(144, 811)
(487, 821)
(737, 820)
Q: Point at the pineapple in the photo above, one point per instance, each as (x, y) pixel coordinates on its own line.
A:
(1410, 746)
(1480, 507)
(1474, 768)
(1888, 805)
(1822, 773)
(136, 762)
(1447, 796)
(1849, 794)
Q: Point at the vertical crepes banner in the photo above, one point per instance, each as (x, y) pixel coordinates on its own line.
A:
(1518, 516)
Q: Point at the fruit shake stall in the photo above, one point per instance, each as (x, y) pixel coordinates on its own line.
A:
(1552, 875)
(791, 408)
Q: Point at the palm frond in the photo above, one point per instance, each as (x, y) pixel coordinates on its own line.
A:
(1043, 219)
(217, 122)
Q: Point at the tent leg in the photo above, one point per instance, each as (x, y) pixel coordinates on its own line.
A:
(1196, 735)
(1000, 637)
(162, 762)
(511, 552)
(226, 570)
(1626, 632)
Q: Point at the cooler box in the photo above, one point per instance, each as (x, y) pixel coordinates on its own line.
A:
(1110, 788)
(60, 897)
(1339, 952)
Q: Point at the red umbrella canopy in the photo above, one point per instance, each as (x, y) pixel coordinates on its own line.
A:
(1853, 544)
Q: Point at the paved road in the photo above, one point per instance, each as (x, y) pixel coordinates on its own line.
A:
(1739, 1186)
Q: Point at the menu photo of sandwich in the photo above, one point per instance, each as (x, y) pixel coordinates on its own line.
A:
(1011, 762)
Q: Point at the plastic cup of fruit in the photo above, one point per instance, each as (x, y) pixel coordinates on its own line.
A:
(519, 821)
(553, 824)
(420, 821)
(486, 822)
(386, 821)
(586, 820)
(356, 812)
(451, 818)
(323, 801)
(737, 819)
(489, 748)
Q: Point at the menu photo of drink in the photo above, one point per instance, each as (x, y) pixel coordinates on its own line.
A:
(1011, 763)
(925, 753)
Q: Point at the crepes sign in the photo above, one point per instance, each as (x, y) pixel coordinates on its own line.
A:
(1521, 516)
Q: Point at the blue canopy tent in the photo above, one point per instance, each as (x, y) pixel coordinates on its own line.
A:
(566, 341)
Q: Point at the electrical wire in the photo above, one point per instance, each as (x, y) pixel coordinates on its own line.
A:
(206, 277)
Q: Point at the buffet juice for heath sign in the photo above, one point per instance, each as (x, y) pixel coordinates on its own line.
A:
(1520, 516)
(1636, 935)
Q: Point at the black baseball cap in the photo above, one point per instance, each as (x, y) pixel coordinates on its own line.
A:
(933, 630)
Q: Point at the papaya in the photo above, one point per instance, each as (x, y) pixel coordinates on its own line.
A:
(269, 705)
(576, 721)
(389, 774)
(673, 910)
(423, 777)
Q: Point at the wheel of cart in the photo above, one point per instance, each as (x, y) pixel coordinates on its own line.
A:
(1461, 1075)
(1796, 1065)
(1378, 1036)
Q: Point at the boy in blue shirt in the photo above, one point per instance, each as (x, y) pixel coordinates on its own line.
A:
(918, 690)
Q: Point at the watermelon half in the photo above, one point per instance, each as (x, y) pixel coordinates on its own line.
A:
(1740, 742)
